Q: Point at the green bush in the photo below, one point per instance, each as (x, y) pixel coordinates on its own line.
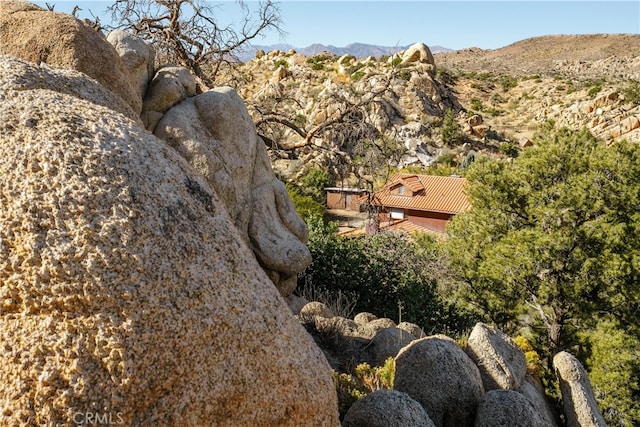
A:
(405, 75)
(508, 82)
(613, 363)
(594, 91)
(358, 75)
(382, 272)
(632, 92)
(476, 104)
(314, 182)
(280, 62)
(377, 377)
(305, 205)
(349, 389)
(451, 131)
(508, 149)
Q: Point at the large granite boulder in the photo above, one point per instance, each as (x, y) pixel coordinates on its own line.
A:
(169, 86)
(507, 408)
(533, 390)
(580, 406)
(501, 362)
(62, 41)
(387, 343)
(438, 374)
(125, 288)
(214, 132)
(386, 408)
(137, 56)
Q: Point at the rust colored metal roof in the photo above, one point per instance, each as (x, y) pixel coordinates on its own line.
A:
(443, 194)
(406, 226)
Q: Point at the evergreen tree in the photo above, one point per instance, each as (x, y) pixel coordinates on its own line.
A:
(552, 239)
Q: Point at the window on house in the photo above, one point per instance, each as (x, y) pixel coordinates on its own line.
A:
(401, 190)
(396, 213)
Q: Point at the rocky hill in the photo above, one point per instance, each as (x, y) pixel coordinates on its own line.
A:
(578, 81)
(608, 56)
(359, 50)
(499, 98)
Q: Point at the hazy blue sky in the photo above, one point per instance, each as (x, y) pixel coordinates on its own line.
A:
(453, 24)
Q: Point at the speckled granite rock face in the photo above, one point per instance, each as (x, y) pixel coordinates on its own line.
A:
(214, 132)
(126, 290)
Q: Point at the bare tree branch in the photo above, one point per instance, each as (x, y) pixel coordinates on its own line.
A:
(186, 32)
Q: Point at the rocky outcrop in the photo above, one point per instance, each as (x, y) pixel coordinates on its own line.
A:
(363, 318)
(418, 52)
(386, 408)
(62, 41)
(608, 116)
(370, 329)
(501, 362)
(412, 328)
(507, 408)
(438, 374)
(387, 343)
(580, 406)
(169, 86)
(215, 134)
(18, 75)
(125, 287)
(137, 56)
(316, 308)
(533, 390)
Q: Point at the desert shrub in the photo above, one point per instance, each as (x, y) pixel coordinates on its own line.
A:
(280, 62)
(358, 75)
(613, 363)
(349, 389)
(355, 67)
(593, 91)
(382, 272)
(534, 364)
(377, 377)
(495, 112)
(508, 82)
(632, 92)
(320, 58)
(405, 75)
(451, 131)
(508, 149)
(476, 104)
(446, 76)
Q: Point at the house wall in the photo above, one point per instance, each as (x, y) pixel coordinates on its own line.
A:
(336, 200)
(432, 220)
(344, 200)
(435, 221)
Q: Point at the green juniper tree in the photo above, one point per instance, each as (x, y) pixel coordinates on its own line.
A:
(553, 240)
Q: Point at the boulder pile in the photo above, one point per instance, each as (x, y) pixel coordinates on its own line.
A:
(142, 279)
(486, 383)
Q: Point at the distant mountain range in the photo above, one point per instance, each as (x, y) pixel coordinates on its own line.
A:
(359, 50)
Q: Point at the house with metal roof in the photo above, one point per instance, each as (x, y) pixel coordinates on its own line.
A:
(413, 202)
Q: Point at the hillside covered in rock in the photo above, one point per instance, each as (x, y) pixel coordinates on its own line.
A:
(318, 110)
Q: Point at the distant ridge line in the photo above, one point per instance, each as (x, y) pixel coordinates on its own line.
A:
(359, 50)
